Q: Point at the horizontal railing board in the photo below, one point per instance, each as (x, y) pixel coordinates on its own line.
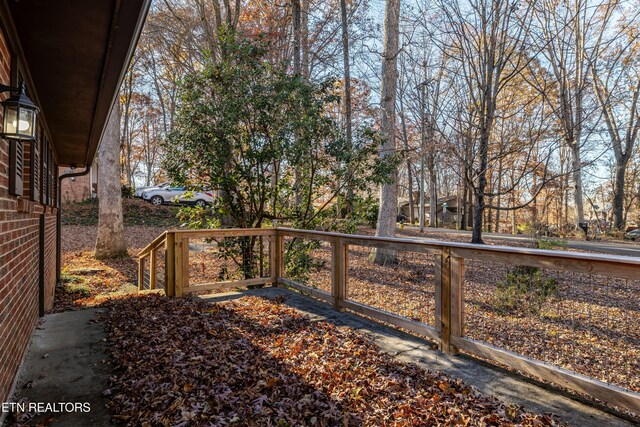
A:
(225, 232)
(398, 246)
(227, 284)
(156, 242)
(617, 267)
(507, 250)
(311, 235)
(393, 319)
(556, 375)
(316, 293)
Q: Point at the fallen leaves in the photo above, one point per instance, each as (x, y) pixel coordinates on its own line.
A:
(88, 281)
(258, 362)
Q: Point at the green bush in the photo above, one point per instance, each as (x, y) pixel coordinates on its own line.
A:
(367, 210)
(524, 290)
(299, 264)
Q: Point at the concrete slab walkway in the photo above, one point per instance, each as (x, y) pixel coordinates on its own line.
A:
(68, 362)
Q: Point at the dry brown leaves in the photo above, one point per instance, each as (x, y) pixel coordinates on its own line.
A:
(257, 362)
(88, 281)
(77, 238)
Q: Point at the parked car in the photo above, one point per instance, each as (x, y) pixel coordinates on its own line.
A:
(177, 195)
(140, 190)
(198, 198)
(633, 234)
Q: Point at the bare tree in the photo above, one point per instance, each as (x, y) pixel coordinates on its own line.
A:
(110, 242)
(488, 44)
(347, 90)
(388, 210)
(615, 71)
(563, 28)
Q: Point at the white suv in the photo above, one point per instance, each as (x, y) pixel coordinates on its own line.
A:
(140, 190)
(178, 195)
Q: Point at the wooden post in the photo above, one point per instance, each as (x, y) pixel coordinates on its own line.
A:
(185, 264)
(178, 261)
(438, 280)
(170, 266)
(141, 274)
(444, 300)
(152, 268)
(339, 273)
(457, 298)
(279, 256)
(273, 258)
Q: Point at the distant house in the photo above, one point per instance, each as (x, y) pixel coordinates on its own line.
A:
(446, 210)
(80, 188)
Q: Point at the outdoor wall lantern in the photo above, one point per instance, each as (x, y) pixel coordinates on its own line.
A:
(20, 114)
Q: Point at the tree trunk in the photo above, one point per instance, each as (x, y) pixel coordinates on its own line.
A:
(295, 29)
(405, 141)
(579, 79)
(483, 149)
(618, 196)
(304, 34)
(470, 207)
(347, 93)
(577, 181)
(110, 242)
(295, 25)
(433, 190)
(388, 211)
(423, 144)
(498, 197)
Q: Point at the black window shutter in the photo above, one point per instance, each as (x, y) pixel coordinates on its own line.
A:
(16, 167)
(45, 173)
(50, 177)
(35, 170)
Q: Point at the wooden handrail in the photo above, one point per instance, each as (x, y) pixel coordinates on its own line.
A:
(610, 265)
(156, 242)
(470, 250)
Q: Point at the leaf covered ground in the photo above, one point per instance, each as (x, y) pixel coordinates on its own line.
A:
(86, 281)
(135, 211)
(257, 362)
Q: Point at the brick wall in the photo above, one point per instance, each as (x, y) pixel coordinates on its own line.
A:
(79, 188)
(19, 259)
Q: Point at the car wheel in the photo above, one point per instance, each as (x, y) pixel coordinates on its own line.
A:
(201, 203)
(157, 200)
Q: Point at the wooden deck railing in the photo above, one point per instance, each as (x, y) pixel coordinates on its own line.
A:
(448, 329)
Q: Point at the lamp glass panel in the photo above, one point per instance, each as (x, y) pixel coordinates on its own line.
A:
(26, 122)
(10, 120)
